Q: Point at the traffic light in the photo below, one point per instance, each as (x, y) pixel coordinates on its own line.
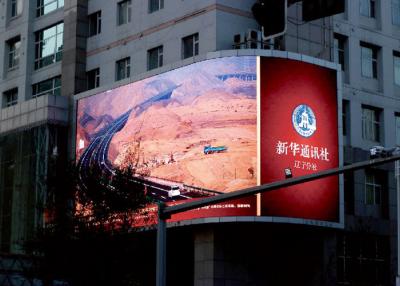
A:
(271, 15)
(315, 9)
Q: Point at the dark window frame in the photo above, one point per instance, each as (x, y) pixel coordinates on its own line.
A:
(55, 89)
(369, 60)
(340, 43)
(123, 68)
(155, 57)
(42, 4)
(124, 12)
(155, 5)
(94, 23)
(10, 97)
(93, 78)
(190, 46)
(13, 52)
(40, 42)
(368, 8)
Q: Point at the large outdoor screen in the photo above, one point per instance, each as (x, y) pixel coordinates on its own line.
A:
(219, 126)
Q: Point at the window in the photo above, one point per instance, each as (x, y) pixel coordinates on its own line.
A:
(46, 6)
(50, 86)
(370, 124)
(345, 116)
(367, 8)
(155, 58)
(373, 188)
(93, 78)
(10, 97)
(369, 60)
(16, 7)
(124, 12)
(13, 46)
(396, 67)
(48, 45)
(339, 47)
(123, 68)
(396, 12)
(363, 259)
(397, 122)
(155, 5)
(190, 46)
(95, 24)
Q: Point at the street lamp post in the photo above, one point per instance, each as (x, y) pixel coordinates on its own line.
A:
(161, 267)
(397, 175)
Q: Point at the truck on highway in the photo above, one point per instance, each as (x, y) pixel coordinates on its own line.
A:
(174, 191)
(208, 149)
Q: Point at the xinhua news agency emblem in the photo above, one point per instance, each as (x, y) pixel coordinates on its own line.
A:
(304, 121)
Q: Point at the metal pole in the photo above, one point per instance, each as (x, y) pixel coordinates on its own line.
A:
(161, 267)
(397, 175)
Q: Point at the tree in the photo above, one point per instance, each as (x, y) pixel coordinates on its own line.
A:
(89, 238)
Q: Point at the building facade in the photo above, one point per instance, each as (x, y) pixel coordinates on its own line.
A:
(52, 50)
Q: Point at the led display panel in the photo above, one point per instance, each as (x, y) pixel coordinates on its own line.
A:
(189, 133)
(299, 131)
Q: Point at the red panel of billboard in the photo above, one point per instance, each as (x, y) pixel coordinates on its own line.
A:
(299, 126)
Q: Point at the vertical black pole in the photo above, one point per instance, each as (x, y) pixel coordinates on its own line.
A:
(161, 247)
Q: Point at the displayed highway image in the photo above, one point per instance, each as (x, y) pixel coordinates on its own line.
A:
(187, 134)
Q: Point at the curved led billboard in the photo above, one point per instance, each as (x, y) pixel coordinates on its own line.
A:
(218, 126)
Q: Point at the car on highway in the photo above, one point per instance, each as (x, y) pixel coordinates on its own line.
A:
(174, 191)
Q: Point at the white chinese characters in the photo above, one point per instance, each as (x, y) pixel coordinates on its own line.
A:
(302, 150)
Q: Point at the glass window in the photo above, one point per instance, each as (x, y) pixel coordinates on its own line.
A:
(93, 78)
(95, 23)
(44, 7)
(397, 122)
(363, 259)
(155, 5)
(373, 188)
(16, 7)
(124, 12)
(155, 58)
(190, 46)
(13, 8)
(123, 68)
(14, 46)
(367, 8)
(369, 60)
(396, 67)
(50, 86)
(10, 97)
(370, 124)
(339, 47)
(345, 116)
(49, 46)
(396, 12)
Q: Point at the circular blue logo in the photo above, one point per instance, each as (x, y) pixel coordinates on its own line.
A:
(304, 121)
